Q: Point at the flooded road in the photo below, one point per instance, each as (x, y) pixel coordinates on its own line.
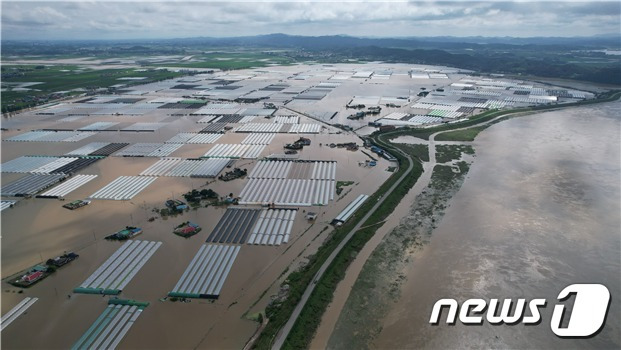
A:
(342, 291)
(538, 211)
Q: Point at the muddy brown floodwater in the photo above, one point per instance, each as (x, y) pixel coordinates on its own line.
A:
(36, 229)
(538, 211)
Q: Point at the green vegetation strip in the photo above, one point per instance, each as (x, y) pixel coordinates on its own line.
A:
(54, 79)
(378, 286)
(461, 135)
(309, 319)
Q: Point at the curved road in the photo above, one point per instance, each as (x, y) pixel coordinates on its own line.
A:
(284, 332)
(426, 177)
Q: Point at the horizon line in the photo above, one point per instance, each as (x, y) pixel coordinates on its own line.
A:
(604, 35)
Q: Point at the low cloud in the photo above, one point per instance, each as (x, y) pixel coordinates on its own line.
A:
(138, 19)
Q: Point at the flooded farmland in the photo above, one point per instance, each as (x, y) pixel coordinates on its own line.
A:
(164, 134)
(538, 211)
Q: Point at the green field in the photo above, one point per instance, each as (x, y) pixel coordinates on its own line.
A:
(461, 135)
(419, 151)
(68, 78)
(55, 79)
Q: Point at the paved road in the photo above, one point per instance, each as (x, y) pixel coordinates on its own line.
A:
(306, 115)
(425, 178)
(284, 332)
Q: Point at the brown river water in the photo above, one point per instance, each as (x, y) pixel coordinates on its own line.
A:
(538, 211)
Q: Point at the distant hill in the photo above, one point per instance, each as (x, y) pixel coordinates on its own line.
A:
(579, 58)
(284, 40)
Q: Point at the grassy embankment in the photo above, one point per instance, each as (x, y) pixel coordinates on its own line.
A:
(298, 281)
(378, 285)
(309, 319)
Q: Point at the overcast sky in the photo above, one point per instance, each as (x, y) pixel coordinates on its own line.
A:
(148, 19)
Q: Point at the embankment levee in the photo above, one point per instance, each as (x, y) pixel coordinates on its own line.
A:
(378, 284)
(308, 320)
(405, 176)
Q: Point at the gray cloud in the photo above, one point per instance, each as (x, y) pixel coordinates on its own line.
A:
(139, 19)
